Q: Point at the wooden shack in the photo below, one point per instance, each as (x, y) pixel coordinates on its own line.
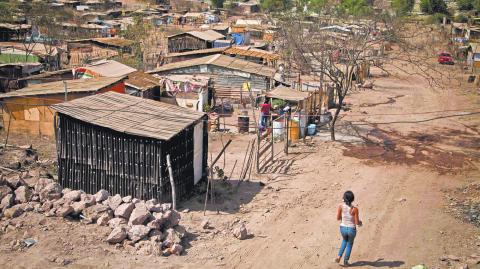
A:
(123, 143)
(193, 40)
(26, 110)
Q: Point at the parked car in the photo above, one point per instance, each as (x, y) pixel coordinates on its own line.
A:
(445, 58)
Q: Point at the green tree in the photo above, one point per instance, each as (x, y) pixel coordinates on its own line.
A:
(8, 10)
(276, 5)
(465, 4)
(433, 6)
(218, 3)
(354, 7)
(403, 7)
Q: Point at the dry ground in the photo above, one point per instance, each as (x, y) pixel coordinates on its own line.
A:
(421, 145)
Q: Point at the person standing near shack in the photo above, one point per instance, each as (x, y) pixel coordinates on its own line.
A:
(265, 113)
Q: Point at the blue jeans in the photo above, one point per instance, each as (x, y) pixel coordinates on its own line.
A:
(348, 235)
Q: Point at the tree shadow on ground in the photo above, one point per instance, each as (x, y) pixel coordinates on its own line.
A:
(378, 263)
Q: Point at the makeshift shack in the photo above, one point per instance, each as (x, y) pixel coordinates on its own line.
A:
(189, 91)
(124, 142)
(103, 68)
(143, 85)
(26, 110)
(193, 40)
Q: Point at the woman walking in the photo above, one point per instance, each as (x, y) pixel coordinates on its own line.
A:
(349, 217)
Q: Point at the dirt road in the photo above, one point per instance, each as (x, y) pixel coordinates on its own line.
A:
(418, 149)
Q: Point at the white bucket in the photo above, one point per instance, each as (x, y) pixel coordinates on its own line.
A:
(278, 128)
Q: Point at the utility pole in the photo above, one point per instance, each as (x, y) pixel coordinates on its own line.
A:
(65, 86)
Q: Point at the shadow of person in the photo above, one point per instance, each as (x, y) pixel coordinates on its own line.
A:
(378, 263)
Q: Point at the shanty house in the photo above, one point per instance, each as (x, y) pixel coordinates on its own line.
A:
(143, 85)
(103, 68)
(26, 110)
(120, 143)
(229, 74)
(193, 40)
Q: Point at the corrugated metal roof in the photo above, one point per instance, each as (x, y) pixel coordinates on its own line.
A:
(288, 94)
(73, 86)
(110, 68)
(208, 35)
(141, 80)
(252, 52)
(221, 61)
(195, 52)
(131, 115)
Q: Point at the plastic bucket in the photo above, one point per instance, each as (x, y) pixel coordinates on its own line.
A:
(278, 126)
(312, 129)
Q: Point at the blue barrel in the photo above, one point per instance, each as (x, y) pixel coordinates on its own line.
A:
(312, 129)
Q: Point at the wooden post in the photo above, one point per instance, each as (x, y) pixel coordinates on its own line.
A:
(172, 183)
(271, 135)
(286, 133)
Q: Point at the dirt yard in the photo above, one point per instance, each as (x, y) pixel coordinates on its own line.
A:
(418, 157)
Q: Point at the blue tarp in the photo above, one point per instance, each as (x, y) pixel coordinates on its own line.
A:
(239, 39)
(222, 43)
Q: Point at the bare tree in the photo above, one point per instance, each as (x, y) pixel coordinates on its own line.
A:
(340, 51)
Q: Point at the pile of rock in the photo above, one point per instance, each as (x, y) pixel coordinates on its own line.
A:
(134, 223)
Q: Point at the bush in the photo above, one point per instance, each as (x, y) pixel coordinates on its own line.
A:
(465, 4)
(403, 7)
(433, 6)
(461, 18)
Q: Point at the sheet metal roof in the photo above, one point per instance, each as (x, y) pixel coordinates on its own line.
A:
(141, 80)
(252, 52)
(288, 94)
(131, 115)
(73, 86)
(221, 61)
(110, 68)
(195, 52)
(208, 35)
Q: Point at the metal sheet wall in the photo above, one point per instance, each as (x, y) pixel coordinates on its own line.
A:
(91, 158)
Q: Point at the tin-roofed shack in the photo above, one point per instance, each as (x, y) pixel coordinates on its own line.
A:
(123, 142)
(26, 110)
(229, 74)
(193, 40)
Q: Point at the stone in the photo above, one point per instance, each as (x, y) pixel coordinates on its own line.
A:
(73, 196)
(101, 196)
(88, 199)
(240, 232)
(124, 210)
(117, 222)
(7, 201)
(13, 212)
(64, 211)
(15, 182)
(166, 207)
(205, 224)
(153, 205)
(463, 266)
(114, 201)
(172, 218)
(4, 190)
(23, 194)
(105, 218)
(51, 191)
(42, 183)
(171, 237)
(186, 210)
(155, 232)
(127, 199)
(135, 200)
(117, 235)
(176, 249)
(156, 223)
(78, 207)
(139, 215)
(450, 258)
(30, 181)
(46, 206)
(29, 207)
(66, 190)
(180, 231)
(94, 212)
(138, 232)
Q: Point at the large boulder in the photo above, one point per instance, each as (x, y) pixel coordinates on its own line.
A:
(13, 212)
(156, 223)
(171, 218)
(101, 196)
(105, 218)
(51, 191)
(153, 206)
(138, 232)
(88, 199)
(117, 235)
(72, 195)
(139, 215)
(23, 194)
(42, 183)
(171, 237)
(64, 211)
(114, 201)
(15, 181)
(127, 199)
(4, 190)
(124, 210)
(7, 201)
(94, 212)
(78, 207)
(117, 222)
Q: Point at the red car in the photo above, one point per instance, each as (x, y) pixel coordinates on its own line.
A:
(445, 58)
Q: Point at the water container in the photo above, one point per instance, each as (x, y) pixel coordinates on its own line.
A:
(278, 126)
(243, 124)
(312, 129)
(293, 130)
(302, 120)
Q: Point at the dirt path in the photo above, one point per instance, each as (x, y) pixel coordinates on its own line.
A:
(414, 154)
